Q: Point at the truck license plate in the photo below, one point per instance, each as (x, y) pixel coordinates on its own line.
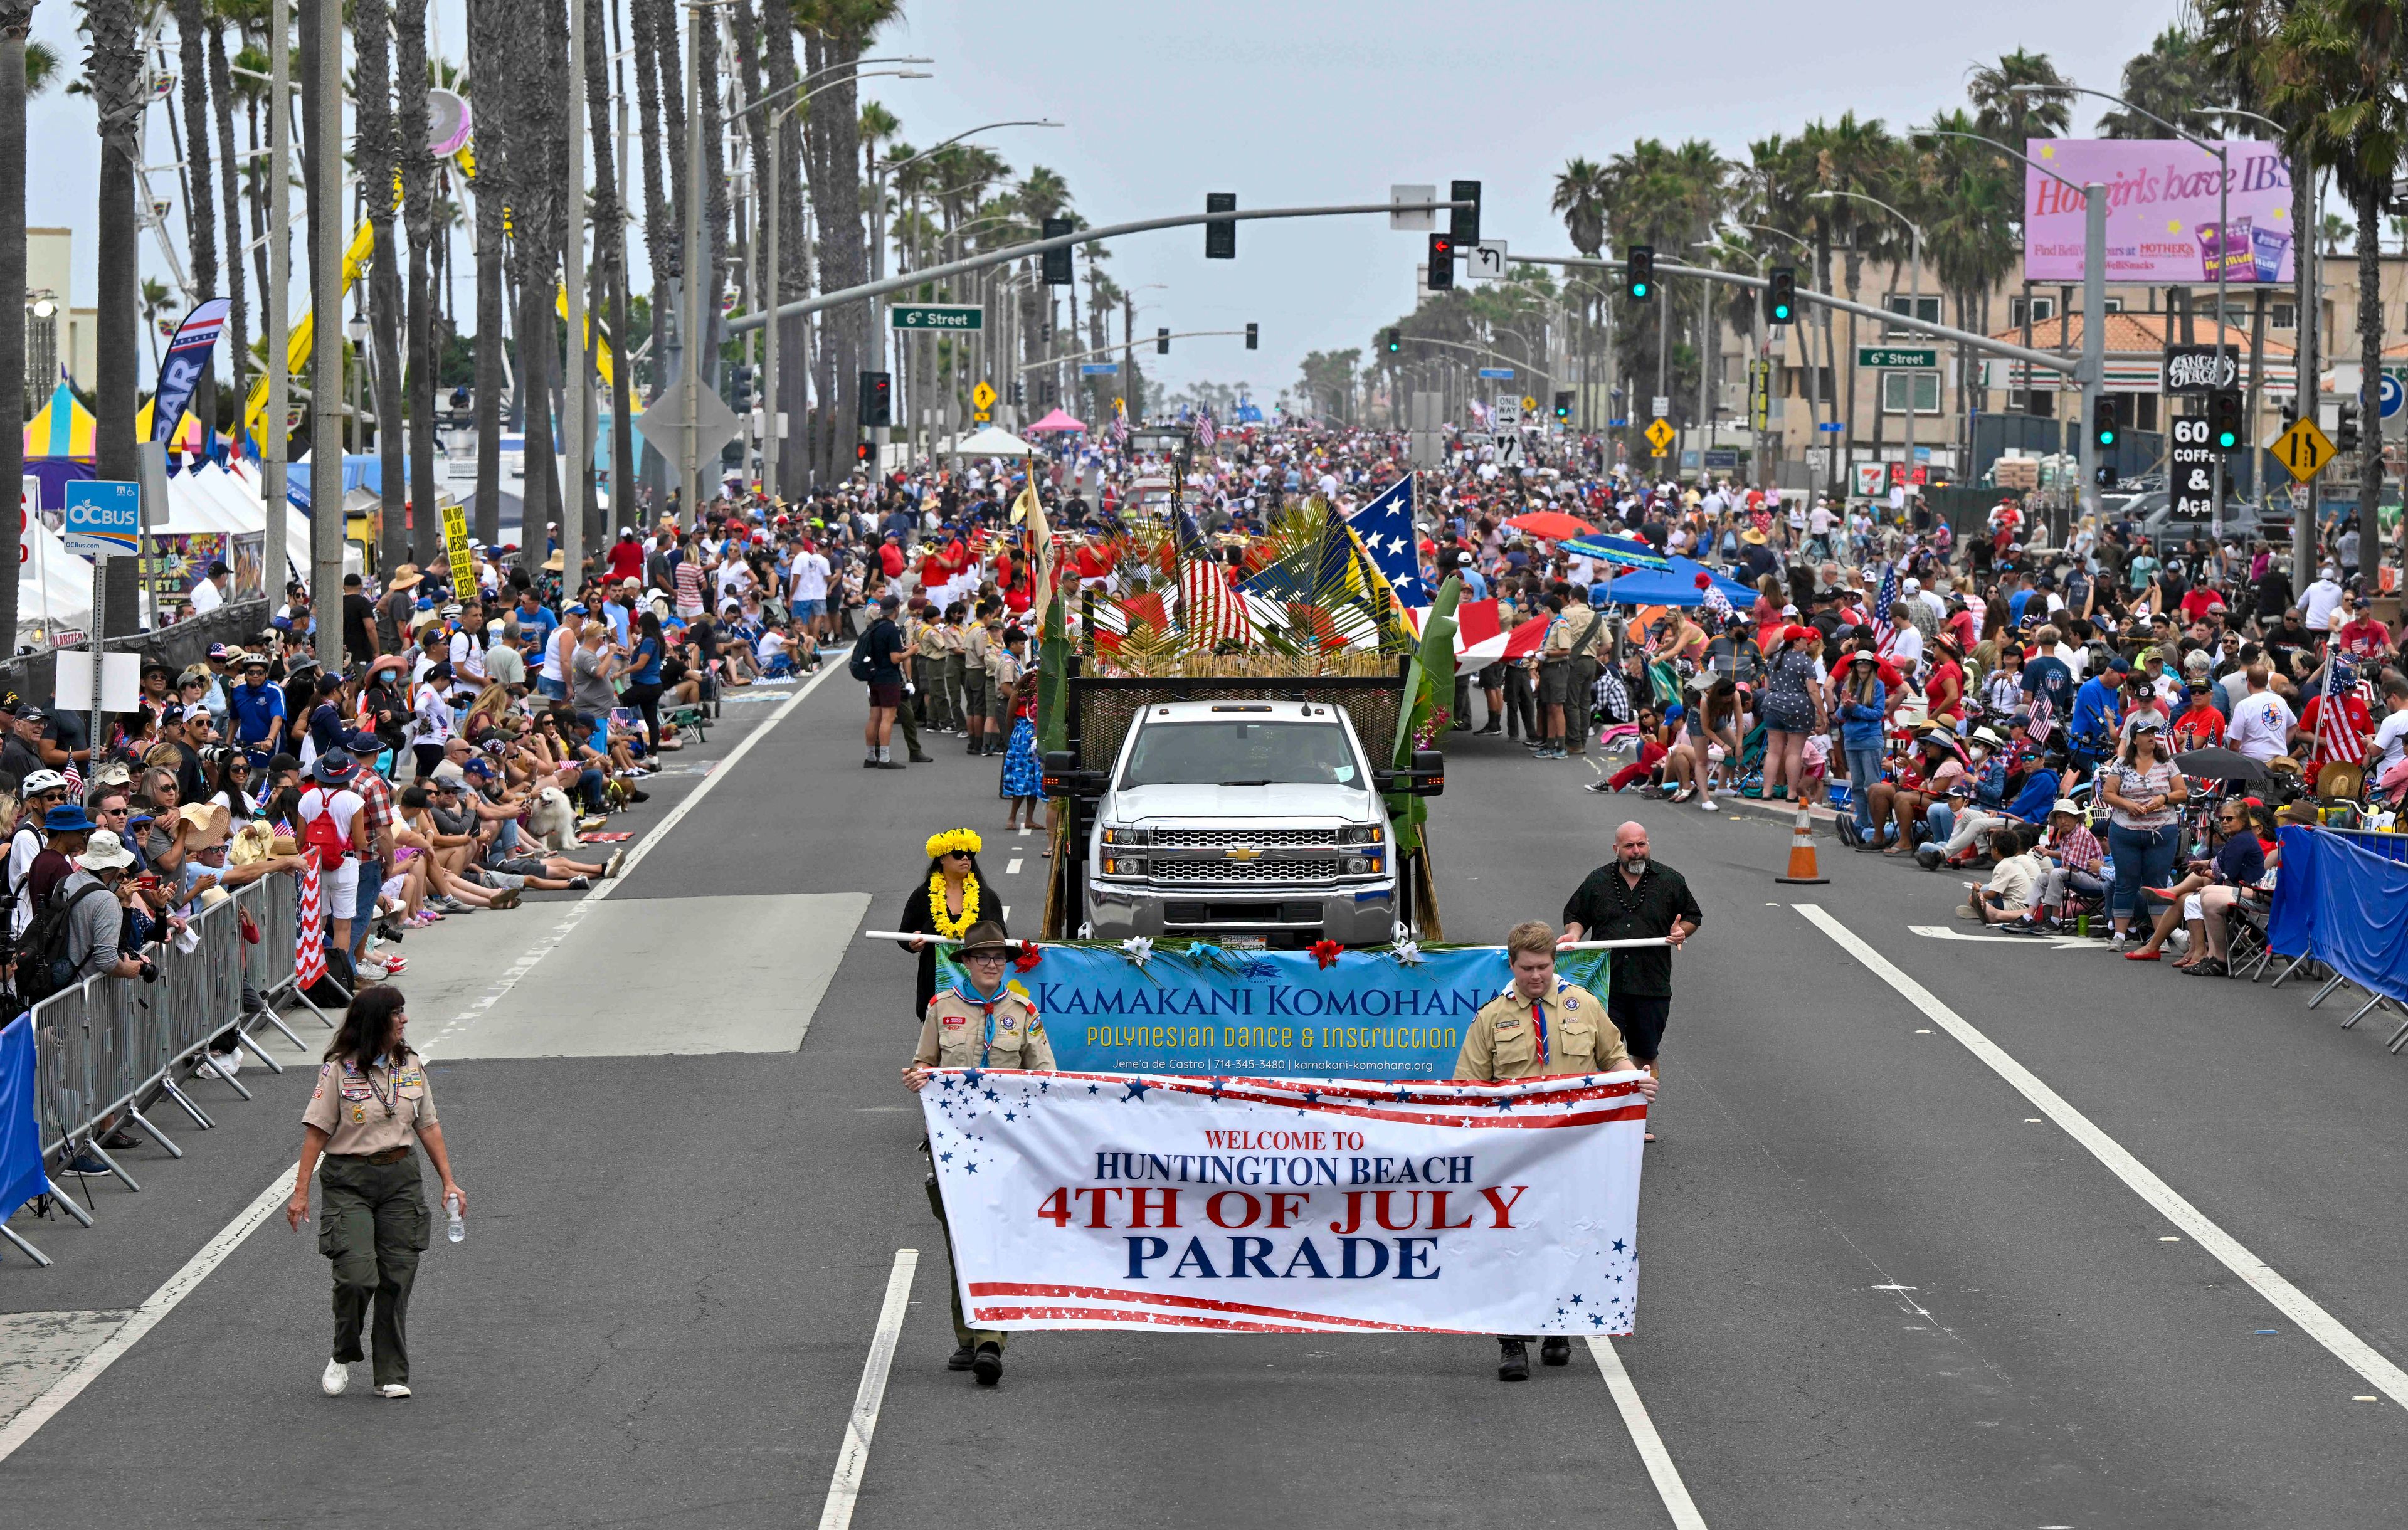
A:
(1244, 942)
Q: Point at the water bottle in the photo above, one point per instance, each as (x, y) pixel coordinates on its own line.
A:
(453, 1227)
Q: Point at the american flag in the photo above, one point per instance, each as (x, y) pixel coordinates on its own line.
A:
(1120, 426)
(2044, 718)
(1385, 529)
(1885, 635)
(1210, 609)
(1206, 431)
(2339, 739)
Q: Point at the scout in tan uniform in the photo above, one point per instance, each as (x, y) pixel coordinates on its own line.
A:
(928, 647)
(978, 1023)
(373, 1104)
(1539, 1027)
(956, 646)
(974, 701)
(1586, 628)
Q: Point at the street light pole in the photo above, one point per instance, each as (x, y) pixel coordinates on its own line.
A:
(690, 324)
(274, 445)
(326, 333)
(1915, 303)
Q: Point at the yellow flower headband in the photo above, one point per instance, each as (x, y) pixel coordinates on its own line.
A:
(953, 839)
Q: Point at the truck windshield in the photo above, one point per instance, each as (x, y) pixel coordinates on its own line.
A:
(1242, 754)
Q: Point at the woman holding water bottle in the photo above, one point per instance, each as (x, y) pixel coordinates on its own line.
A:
(373, 1103)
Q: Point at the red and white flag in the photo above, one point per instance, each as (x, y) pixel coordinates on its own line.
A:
(309, 935)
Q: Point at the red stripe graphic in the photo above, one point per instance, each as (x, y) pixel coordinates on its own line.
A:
(1290, 1096)
(1165, 1298)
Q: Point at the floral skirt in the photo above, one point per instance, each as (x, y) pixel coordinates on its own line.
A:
(1024, 776)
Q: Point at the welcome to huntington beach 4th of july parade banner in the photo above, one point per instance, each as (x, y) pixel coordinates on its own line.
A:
(1246, 1141)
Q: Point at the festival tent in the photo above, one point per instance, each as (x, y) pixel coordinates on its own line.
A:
(994, 442)
(53, 587)
(1057, 421)
(59, 445)
(1677, 586)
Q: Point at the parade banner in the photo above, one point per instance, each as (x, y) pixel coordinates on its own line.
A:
(1195, 1008)
(1097, 1200)
(186, 363)
(2163, 223)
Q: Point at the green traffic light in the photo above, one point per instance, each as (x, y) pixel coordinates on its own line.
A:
(1781, 310)
(1639, 289)
(2106, 438)
(2226, 441)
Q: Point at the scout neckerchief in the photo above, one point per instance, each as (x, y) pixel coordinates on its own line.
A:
(969, 994)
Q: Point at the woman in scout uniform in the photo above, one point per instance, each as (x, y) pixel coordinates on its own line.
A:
(954, 898)
(372, 1104)
(979, 1021)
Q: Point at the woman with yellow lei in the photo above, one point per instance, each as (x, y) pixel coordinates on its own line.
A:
(954, 898)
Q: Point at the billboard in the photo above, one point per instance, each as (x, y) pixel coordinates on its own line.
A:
(2162, 219)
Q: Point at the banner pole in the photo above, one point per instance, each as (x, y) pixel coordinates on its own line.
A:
(1637, 943)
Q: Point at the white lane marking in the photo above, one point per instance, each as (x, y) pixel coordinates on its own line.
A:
(1014, 870)
(248, 1221)
(2039, 942)
(2264, 1278)
(1665, 1475)
(844, 1484)
(156, 1306)
(577, 912)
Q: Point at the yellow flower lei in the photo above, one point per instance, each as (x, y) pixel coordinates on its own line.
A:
(953, 839)
(951, 928)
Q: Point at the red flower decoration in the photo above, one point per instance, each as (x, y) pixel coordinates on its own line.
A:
(1028, 958)
(1705, 581)
(1326, 952)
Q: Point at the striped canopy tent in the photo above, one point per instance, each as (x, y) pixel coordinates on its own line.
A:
(187, 438)
(61, 428)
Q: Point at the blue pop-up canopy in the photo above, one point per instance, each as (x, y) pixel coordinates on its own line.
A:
(1677, 586)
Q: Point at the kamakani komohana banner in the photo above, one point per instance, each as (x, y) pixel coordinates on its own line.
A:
(2163, 223)
(1193, 1007)
(1096, 1200)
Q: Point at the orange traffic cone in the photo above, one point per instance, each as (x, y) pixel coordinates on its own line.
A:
(1803, 868)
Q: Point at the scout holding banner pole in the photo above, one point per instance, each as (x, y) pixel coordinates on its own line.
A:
(1080, 1200)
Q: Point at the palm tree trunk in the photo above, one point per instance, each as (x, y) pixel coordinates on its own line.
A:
(794, 278)
(536, 48)
(418, 214)
(230, 208)
(487, 20)
(835, 192)
(2368, 207)
(113, 70)
(255, 191)
(16, 20)
(199, 222)
(379, 160)
(609, 262)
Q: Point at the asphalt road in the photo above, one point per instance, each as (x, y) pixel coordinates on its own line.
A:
(1884, 1287)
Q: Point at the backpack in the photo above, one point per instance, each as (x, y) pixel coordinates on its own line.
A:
(859, 666)
(325, 836)
(43, 964)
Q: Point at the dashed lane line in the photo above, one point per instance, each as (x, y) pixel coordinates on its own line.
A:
(2262, 1277)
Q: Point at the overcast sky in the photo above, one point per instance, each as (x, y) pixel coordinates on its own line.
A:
(1299, 103)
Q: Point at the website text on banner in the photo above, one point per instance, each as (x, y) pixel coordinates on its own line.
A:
(1199, 1008)
(1084, 1200)
(2162, 219)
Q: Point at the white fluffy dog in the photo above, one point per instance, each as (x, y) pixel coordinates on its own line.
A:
(552, 820)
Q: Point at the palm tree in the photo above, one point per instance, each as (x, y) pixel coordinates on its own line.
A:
(229, 197)
(662, 253)
(835, 32)
(1958, 191)
(114, 70)
(1578, 199)
(2175, 79)
(609, 262)
(2000, 113)
(794, 252)
(2343, 73)
(412, 79)
(200, 223)
(17, 82)
(378, 157)
(488, 33)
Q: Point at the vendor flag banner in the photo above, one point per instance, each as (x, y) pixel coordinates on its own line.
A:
(186, 363)
(1096, 1200)
(1189, 1007)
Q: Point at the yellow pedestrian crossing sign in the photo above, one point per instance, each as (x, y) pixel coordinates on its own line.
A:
(1659, 435)
(982, 397)
(2305, 449)
(1528, 402)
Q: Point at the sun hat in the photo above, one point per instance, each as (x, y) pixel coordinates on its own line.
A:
(105, 852)
(2067, 805)
(984, 939)
(208, 823)
(403, 578)
(66, 818)
(334, 767)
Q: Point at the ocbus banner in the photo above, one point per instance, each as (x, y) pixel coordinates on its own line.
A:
(1093, 1200)
(1200, 1008)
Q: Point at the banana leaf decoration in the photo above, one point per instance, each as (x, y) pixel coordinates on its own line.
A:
(1430, 682)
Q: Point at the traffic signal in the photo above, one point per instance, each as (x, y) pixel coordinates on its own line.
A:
(741, 377)
(2224, 420)
(1220, 237)
(1057, 260)
(2102, 422)
(1638, 273)
(1563, 404)
(1162, 342)
(1396, 338)
(2290, 415)
(861, 452)
(877, 398)
(1780, 294)
(1463, 224)
(1253, 336)
(1441, 261)
(2346, 429)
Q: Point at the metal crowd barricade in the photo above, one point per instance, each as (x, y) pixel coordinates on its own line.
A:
(113, 1048)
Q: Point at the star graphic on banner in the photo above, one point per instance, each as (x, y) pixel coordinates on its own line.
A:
(1009, 1116)
(993, 1095)
(1217, 1088)
(1404, 1096)
(972, 1168)
(1044, 1085)
(1576, 1301)
(1618, 1245)
(1313, 1097)
(1136, 1088)
(945, 1158)
(946, 1083)
(1092, 1088)
(972, 1076)
(1596, 1320)
(1504, 1102)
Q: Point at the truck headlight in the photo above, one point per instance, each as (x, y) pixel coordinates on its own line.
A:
(1364, 833)
(1361, 866)
(1123, 865)
(1129, 836)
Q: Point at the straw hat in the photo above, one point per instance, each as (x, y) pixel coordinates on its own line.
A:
(403, 578)
(206, 823)
(555, 563)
